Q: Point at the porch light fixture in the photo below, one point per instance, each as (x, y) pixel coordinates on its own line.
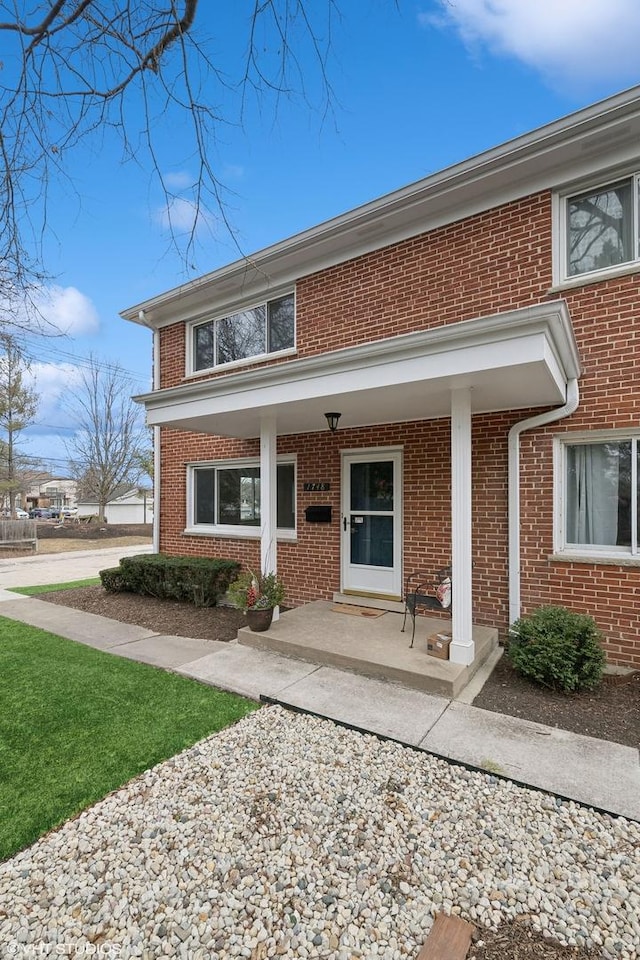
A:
(332, 420)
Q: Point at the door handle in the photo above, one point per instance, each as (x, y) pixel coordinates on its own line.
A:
(344, 524)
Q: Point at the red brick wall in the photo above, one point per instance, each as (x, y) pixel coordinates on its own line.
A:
(496, 261)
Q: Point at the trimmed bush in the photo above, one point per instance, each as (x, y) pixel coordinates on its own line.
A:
(112, 580)
(558, 648)
(198, 580)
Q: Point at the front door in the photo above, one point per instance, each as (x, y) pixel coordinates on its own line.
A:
(372, 523)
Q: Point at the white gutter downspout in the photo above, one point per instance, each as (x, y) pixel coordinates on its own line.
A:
(156, 434)
(571, 404)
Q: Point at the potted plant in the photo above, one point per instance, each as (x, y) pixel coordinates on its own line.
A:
(257, 594)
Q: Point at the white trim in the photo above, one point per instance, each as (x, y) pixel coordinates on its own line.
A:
(560, 223)
(583, 552)
(231, 531)
(378, 581)
(462, 649)
(220, 314)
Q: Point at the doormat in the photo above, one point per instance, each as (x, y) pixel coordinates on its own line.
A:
(354, 611)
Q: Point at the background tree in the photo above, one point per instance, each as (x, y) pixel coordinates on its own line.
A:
(97, 69)
(110, 435)
(18, 408)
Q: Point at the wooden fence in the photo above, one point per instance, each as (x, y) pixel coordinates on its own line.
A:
(18, 535)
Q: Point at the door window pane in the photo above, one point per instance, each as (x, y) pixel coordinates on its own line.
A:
(372, 486)
(600, 228)
(372, 541)
(599, 494)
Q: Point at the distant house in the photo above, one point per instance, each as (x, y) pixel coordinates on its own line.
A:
(128, 505)
(446, 375)
(45, 490)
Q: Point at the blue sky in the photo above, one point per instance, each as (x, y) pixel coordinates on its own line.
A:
(416, 88)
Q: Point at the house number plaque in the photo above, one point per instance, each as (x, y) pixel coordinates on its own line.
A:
(316, 486)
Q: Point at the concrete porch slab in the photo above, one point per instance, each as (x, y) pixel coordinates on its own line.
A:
(374, 705)
(594, 772)
(371, 647)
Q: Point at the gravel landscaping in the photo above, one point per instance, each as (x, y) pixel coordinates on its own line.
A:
(289, 836)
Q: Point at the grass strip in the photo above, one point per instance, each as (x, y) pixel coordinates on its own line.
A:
(53, 587)
(76, 723)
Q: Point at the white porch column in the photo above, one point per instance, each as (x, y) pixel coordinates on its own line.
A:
(268, 498)
(462, 648)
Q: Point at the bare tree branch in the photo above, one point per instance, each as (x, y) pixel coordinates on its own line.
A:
(76, 70)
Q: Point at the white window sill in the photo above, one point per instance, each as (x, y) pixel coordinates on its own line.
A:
(612, 559)
(238, 364)
(599, 276)
(235, 533)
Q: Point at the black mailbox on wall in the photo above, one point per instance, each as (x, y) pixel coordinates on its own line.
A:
(318, 514)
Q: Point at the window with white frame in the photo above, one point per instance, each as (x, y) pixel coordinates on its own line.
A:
(601, 227)
(598, 511)
(257, 331)
(225, 497)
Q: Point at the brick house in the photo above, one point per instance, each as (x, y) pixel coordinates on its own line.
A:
(479, 334)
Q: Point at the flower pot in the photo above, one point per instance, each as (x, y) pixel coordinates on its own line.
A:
(260, 620)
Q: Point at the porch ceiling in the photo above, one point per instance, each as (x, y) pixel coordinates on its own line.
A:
(512, 360)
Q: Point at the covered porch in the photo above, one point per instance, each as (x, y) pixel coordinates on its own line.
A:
(371, 646)
(519, 359)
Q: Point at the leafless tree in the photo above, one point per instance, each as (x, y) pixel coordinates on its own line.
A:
(77, 70)
(110, 437)
(18, 408)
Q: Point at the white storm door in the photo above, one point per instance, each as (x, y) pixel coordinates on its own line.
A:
(372, 522)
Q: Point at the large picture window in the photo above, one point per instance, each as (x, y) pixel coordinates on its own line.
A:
(600, 496)
(225, 497)
(601, 228)
(258, 331)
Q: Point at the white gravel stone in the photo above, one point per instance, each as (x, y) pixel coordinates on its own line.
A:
(288, 836)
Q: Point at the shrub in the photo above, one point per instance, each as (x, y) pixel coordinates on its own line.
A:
(112, 580)
(558, 648)
(199, 580)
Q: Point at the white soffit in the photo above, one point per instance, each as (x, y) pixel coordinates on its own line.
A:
(513, 360)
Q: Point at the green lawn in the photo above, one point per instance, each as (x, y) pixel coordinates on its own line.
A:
(52, 587)
(76, 723)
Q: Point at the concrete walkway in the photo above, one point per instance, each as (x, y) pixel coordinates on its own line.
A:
(593, 772)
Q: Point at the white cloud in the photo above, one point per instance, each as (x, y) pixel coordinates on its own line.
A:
(181, 215)
(53, 310)
(178, 180)
(53, 382)
(573, 41)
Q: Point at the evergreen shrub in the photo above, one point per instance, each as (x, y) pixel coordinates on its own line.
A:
(198, 580)
(558, 648)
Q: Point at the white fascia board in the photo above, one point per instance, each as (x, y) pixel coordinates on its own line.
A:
(471, 346)
(603, 135)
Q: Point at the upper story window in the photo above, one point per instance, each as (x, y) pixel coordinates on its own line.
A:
(598, 499)
(255, 332)
(601, 229)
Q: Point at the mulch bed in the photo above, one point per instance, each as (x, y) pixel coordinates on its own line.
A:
(517, 941)
(612, 712)
(163, 616)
